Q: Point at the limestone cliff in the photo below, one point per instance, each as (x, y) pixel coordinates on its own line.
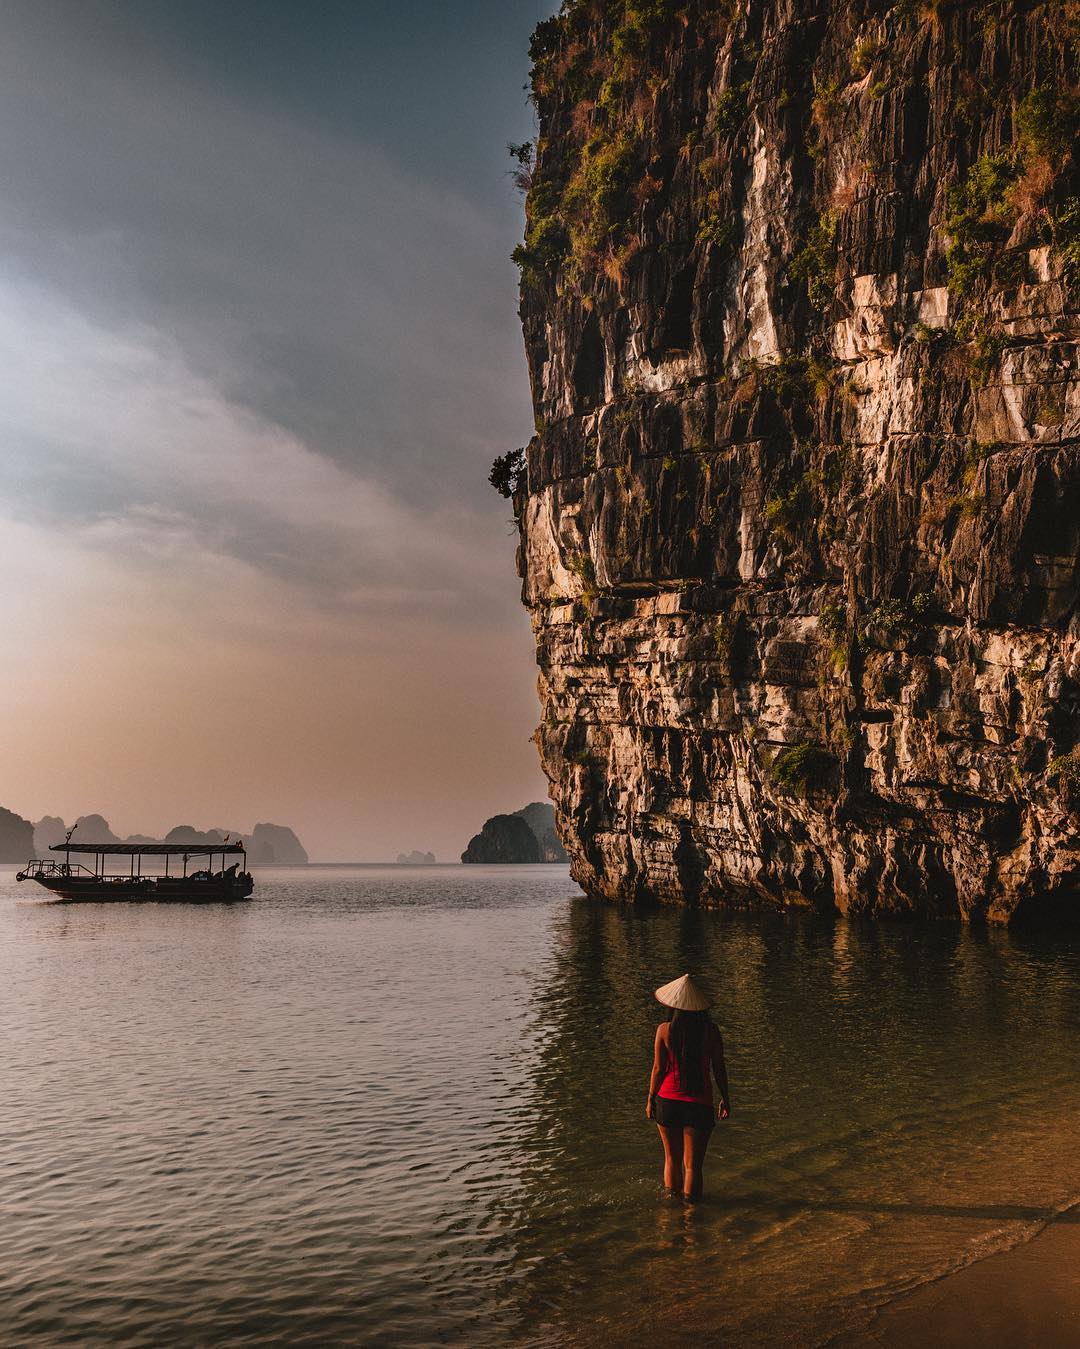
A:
(16, 837)
(276, 845)
(800, 524)
(540, 817)
(48, 830)
(504, 838)
(267, 845)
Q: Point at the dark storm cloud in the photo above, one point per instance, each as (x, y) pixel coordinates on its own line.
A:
(334, 290)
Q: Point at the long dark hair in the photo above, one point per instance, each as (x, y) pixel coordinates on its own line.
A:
(688, 1039)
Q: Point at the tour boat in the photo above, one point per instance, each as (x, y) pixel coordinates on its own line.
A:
(204, 885)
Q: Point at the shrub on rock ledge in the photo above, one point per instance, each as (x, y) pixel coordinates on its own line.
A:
(803, 767)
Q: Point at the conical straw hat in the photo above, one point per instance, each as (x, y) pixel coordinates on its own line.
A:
(684, 995)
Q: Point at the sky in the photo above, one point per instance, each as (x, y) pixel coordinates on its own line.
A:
(258, 349)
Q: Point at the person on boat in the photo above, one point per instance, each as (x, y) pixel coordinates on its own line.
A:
(687, 1054)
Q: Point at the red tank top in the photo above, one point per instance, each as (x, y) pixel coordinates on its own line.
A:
(671, 1089)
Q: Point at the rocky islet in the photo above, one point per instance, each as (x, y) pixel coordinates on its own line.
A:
(267, 844)
(502, 839)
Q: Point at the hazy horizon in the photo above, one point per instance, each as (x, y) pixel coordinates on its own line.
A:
(260, 347)
(238, 828)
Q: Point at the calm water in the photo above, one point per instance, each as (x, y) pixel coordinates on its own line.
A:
(406, 1106)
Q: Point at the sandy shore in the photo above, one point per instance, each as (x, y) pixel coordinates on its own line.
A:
(1025, 1298)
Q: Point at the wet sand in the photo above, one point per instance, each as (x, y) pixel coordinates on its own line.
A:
(1024, 1298)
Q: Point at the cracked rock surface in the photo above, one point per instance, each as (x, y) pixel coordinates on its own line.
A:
(800, 526)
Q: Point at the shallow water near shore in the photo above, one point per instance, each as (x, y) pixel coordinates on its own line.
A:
(407, 1106)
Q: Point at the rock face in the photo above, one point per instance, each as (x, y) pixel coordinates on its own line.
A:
(268, 844)
(800, 526)
(503, 842)
(504, 838)
(93, 829)
(48, 830)
(16, 837)
(187, 833)
(276, 845)
(540, 817)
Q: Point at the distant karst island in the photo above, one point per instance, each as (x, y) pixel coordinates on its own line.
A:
(16, 837)
(527, 835)
(416, 859)
(267, 844)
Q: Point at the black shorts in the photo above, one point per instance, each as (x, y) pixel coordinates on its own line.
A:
(684, 1114)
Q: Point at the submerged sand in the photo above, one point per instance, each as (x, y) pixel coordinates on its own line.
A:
(1024, 1298)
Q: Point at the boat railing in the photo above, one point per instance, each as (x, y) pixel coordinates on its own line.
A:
(49, 866)
(43, 868)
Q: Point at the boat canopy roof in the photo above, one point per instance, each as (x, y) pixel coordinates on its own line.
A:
(150, 849)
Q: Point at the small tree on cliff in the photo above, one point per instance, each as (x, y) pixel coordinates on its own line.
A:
(507, 472)
(524, 156)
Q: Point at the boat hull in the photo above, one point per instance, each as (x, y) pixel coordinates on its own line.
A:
(159, 889)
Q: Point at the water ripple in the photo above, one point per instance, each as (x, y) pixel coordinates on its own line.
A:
(405, 1106)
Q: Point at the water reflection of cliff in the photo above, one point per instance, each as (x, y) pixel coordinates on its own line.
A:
(867, 1062)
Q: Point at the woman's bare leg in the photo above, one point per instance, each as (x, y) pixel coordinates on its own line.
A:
(672, 1140)
(695, 1141)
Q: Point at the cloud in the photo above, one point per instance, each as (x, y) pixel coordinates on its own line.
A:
(252, 374)
(334, 292)
(115, 440)
(154, 682)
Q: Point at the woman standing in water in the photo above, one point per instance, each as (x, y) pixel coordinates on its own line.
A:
(687, 1054)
